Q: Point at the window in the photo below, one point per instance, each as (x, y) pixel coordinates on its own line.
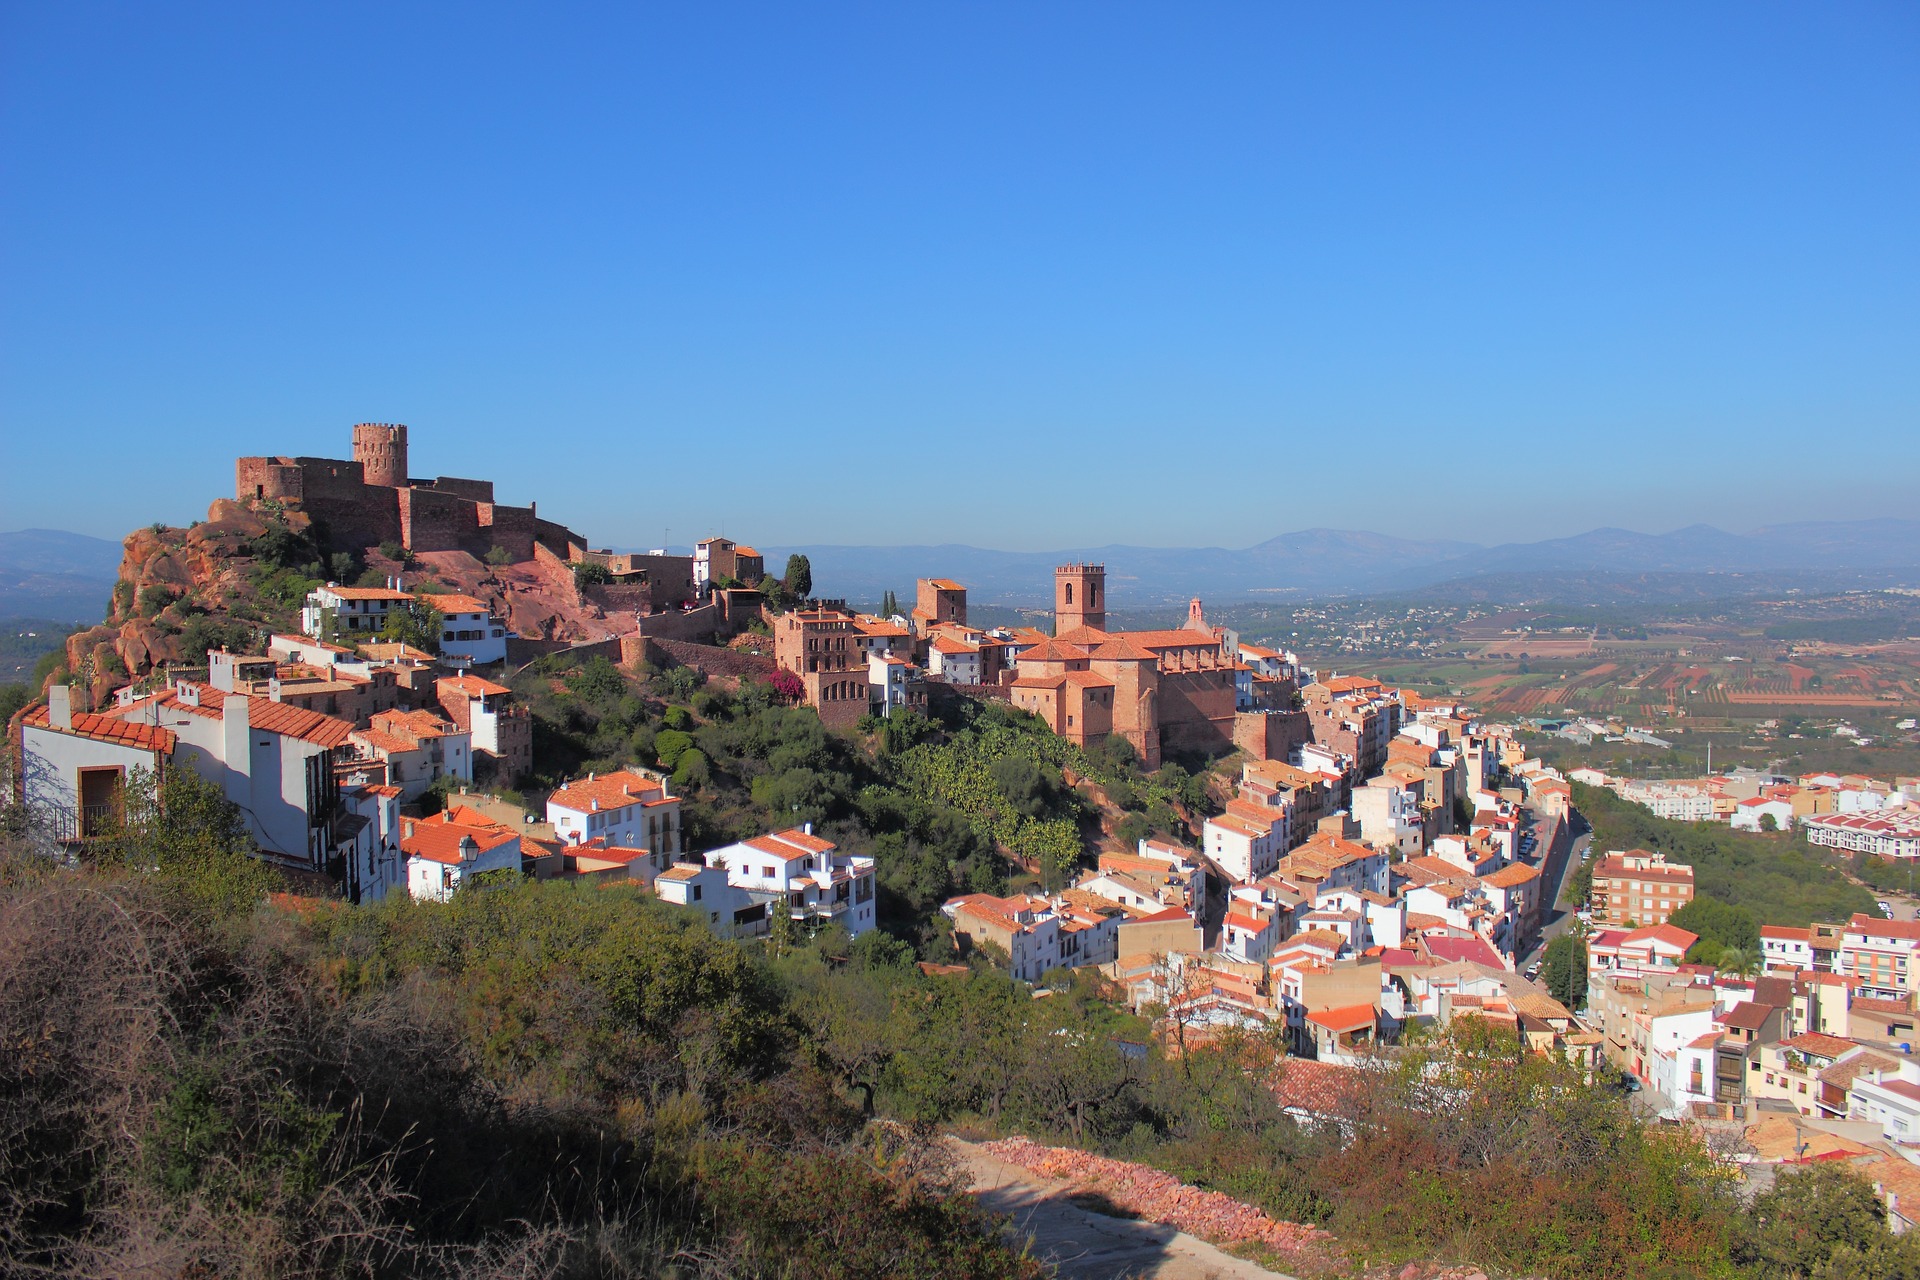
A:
(696, 893)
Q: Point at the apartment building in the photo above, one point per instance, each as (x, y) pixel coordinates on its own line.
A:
(1639, 888)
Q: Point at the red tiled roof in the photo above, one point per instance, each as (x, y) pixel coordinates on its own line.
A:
(1672, 935)
(449, 603)
(367, 593)
(1874, 926)
(1470, 950)
(438, 839)
(1511, 875)
(470, 686)
(98, 728)
(297, 722)
(1349, 1017)
(612, 790)
(1819, 1044)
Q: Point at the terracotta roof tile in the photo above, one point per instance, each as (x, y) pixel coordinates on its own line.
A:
(99, 728)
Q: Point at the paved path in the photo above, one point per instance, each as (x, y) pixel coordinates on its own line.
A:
(1083, 1245)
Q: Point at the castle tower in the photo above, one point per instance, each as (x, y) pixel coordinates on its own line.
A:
(381, 450)
(1079, 597)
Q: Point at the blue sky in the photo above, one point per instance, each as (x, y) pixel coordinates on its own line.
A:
(1025, 276)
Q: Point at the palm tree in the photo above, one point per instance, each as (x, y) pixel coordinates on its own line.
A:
(1739, 962)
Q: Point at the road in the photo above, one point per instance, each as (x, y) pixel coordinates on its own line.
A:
(1560, 920)
(1081, 1244)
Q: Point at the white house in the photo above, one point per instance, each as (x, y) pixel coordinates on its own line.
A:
(443, 852)
(74, 765)
(624, 809)
(1027, 929)
(1785, 947)
(729, 911)
(889, 682)
(367, 838)
(1692, 1074)
(417, 748)
(468, 631)
(1661, 1040)
(276, 762)
(1244, 844)
(817, 882)
(350, 612)
(1750, 815)
(954, 661)
(1890, 1099)
(1252, 927)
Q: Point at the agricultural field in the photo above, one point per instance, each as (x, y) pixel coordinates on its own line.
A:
(1829, 682)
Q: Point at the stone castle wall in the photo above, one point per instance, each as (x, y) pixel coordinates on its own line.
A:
(435, 521)
(1271, 735)
(1196, 711)
(370, 500)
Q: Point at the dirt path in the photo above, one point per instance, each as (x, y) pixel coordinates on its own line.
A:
(1082, 1244)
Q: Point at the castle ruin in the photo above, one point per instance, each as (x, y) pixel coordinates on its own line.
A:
(371, 499)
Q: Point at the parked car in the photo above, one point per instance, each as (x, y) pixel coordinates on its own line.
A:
(1885, 908)
(1533, 971)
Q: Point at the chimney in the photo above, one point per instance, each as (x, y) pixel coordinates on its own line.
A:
(236, 740)
(60, 706)
(806, 828)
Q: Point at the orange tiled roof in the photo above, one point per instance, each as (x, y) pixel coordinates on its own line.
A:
(438, 838)
(367, 593)
(295, 722)
(451, 603)
(612, 790)
(1349, 1017)
(100, 728)
(1512, 875)
(471, 686)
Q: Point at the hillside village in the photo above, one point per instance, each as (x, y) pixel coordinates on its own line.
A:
(1332, 862)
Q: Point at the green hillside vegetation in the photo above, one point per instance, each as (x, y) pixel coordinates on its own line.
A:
(533, 1080)
(1779, 878)
(947, 806)
(542, 1079)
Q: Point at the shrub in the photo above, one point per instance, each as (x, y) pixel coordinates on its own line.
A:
(154, 598)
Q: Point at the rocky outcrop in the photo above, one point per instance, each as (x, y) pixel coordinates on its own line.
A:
(176, 583)
(168, 576)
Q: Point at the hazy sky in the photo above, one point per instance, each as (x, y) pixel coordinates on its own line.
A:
(1024, 276)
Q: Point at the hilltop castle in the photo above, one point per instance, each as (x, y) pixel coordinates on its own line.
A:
(371, 499)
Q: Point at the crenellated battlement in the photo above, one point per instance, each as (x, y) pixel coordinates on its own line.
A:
(370, 499)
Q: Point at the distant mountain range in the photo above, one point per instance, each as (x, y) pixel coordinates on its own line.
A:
(47, 573)
(50, 574)
(1344, 562)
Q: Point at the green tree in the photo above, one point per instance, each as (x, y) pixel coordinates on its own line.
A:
(1807, 1217)
(587, 574)
(888, 605)
(1563, 970)
(415, 623)
(798, 579)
